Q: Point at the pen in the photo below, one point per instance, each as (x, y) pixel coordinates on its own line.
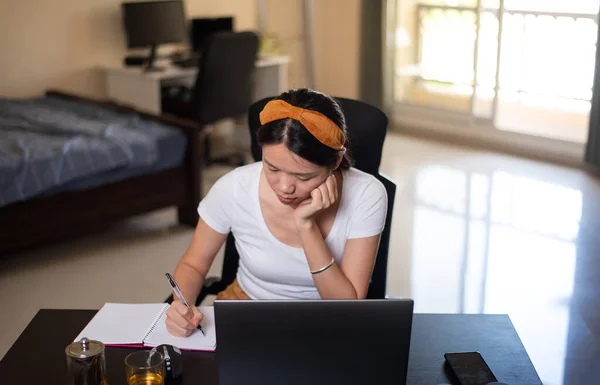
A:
(180, 295)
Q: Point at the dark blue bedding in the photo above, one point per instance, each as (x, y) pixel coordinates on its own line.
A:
(51, 144)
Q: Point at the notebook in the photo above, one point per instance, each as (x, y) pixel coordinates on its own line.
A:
(143, 325)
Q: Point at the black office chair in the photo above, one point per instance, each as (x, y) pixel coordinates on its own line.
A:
(367, 127)
(223, 87)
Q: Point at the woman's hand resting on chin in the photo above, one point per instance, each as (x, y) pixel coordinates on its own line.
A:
(321, 198)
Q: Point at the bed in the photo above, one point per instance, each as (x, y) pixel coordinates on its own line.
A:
(70, 165)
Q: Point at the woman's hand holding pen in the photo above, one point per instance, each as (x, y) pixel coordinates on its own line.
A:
(181, 321)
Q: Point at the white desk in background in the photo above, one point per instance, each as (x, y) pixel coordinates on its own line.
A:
(131, 86)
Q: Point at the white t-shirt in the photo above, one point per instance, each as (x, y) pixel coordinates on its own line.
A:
(270, 269)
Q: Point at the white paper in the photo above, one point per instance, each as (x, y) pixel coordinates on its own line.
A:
(122, 324)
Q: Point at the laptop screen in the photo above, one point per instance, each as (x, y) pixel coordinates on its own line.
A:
(353, 342)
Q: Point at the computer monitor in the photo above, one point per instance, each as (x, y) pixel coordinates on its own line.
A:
(202, 28)
(150, 23)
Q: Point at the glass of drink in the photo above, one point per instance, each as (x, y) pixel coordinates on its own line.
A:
(145, 367)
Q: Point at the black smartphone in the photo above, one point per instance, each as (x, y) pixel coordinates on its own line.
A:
(470, 368)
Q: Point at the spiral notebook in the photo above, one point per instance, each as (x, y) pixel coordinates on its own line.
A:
(143, 325)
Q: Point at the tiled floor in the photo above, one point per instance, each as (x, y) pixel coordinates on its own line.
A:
(473, 232)
(483, 233)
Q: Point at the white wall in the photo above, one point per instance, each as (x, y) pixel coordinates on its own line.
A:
(61, 43)
(336, 33)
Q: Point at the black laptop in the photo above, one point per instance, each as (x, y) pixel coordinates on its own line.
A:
(327, 342)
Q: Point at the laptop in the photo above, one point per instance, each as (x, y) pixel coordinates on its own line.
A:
(324, 342)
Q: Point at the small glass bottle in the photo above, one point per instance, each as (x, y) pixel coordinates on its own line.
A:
(86, 364)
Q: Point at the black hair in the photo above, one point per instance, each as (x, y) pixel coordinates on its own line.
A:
(298, 139)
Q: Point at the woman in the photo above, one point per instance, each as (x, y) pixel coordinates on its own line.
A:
(307, 224)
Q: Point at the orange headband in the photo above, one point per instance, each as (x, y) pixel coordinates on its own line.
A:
(320, 126)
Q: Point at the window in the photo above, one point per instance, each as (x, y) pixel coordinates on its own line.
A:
(447, 57)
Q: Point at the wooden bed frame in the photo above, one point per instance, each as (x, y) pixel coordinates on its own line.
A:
(46, 219)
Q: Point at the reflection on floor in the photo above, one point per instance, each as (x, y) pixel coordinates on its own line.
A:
(473, 232)
(484, 234)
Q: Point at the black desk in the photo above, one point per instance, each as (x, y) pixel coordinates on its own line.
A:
(38, 356)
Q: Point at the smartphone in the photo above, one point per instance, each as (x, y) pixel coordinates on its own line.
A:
(470, 368)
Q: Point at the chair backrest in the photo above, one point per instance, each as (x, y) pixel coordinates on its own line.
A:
(223, 86)
(367, 127)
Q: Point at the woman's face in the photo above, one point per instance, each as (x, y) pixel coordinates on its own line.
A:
(291, 177)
